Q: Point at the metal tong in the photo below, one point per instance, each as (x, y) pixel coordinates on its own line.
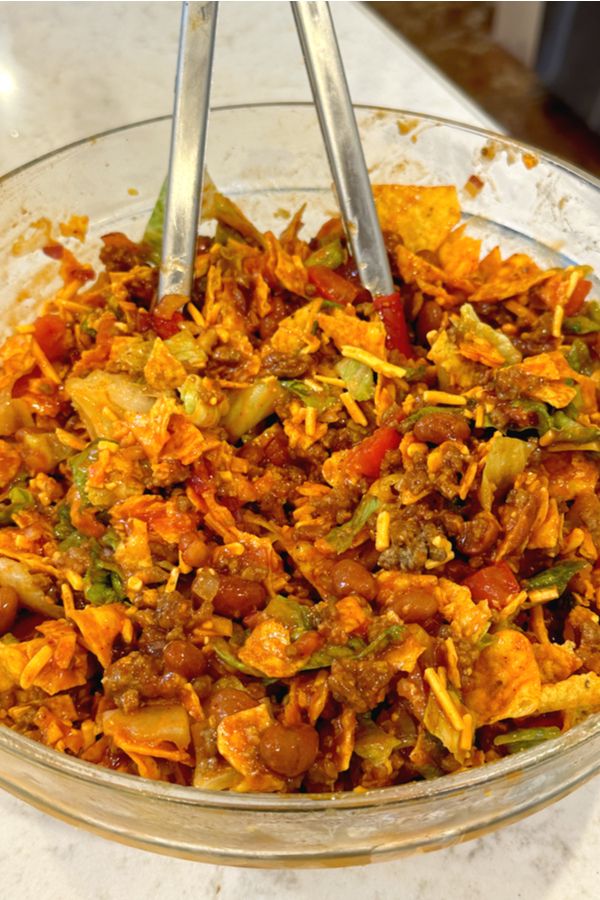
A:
(340, 133)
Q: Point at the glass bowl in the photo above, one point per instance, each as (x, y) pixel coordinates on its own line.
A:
(270, 159)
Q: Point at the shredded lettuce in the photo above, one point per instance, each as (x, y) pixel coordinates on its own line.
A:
(558, 576)
(471, 325)
(249, 406)
(185, 349)
(374, 744)
(330, 255)
(524, 738)
(131, 355)
(587, 323)
(358, 378)
(563, 425)
(291, 613)
(101, 393)
(65, 531)
(154, 229)
(322, 659)
(568, 429)
(579, 357)
(18, 498)
(216, 206)
(103, 582)
(506, 458)
(341, 538)
(223, 650)
(320, 400)
(389, 636)
(80, 469)
(544, 417)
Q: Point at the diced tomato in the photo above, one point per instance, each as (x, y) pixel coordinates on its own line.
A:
(496, 584)
(575, 301)
(391, 312)
(166, 328)
(144, 320)
(366, 458)
(51, 332)
(332, 286)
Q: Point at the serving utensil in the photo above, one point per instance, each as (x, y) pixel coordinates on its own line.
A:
(188, 144)
(348, 167)
(342, 143)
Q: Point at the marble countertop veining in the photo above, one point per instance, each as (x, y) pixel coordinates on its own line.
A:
(68, 70)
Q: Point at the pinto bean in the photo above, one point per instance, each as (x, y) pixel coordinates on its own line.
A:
(478, 535)
(9, 606)
(238, 597)
(184, 658)
(435, 428)
(416, 604)
(289, 751)
(429, 319)
(227, 702)
(350, 577)
(194, 551)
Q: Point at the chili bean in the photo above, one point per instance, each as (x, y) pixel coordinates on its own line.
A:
(227, 702)
(479, 534)
(415, 605)
(268, 324)
(238, 597)
(350, 577)
(435, 428)
(193, 550)
(429, 319)
(289, 751)
(9, 606)
(184, 658)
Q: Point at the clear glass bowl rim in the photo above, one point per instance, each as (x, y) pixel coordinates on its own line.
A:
(444, 787)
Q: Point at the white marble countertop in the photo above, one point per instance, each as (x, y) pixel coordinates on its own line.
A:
(68, 70)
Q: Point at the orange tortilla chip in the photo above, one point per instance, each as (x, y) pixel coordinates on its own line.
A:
(238, 739)
(266, 649)
(344, 329)
(516, 275)
(544, 378)
(490, 264)
(459, 254)
(430, 279)
(421, 216)
(506, 680)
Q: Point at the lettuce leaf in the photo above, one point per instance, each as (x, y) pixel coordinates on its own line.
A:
(558, 576)
(471, 325)
(330, 255)
(18, 498)
(153, 233)
(249, 406)
(506, 458)
(587, 323)
(341, 538)
(374, 744)
(524, 738)
(358, 378)
(579, 357)
(291, 613)
(185, 349)
(320, 400)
